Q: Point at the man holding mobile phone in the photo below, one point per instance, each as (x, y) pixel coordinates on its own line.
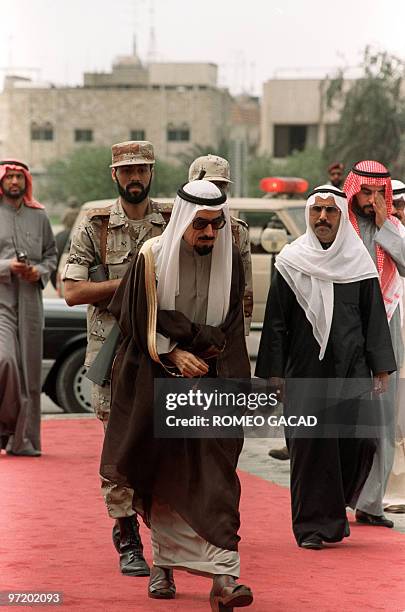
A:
(27, 257)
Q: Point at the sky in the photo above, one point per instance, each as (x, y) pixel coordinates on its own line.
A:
(250, 41)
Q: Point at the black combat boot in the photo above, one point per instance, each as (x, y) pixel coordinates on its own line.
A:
(3, 441)
(128, 543)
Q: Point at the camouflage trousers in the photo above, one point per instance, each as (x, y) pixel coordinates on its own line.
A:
(118, 497)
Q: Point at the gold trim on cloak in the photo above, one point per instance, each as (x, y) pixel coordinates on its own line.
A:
(152, 303)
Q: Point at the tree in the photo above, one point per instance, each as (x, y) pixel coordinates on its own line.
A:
(167, 179)
(84, 174)
(372, 115)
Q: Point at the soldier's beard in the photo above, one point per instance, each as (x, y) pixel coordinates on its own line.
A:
(130, 197)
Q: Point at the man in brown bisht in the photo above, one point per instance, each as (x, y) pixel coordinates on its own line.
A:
(187, 489)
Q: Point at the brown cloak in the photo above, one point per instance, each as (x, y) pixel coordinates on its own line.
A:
(196, 477)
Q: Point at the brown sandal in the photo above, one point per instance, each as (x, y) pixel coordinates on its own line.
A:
(161, 583)
(227, 594)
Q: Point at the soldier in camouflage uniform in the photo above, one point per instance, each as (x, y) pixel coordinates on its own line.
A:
(105, 243)
(216, 169)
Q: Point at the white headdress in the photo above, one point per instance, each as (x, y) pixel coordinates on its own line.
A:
(398, 190)
(166, 250)
(310, 270)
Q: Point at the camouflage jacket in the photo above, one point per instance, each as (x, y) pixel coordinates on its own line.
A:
(240, 235)
(124, 240)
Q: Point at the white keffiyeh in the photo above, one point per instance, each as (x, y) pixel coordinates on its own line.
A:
(166, 250)
(310, 270)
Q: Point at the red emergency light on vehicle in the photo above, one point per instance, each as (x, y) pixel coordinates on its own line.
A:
(283, 184)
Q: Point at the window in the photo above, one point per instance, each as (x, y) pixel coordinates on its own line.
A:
(41, 132)
(289, 138)
(137, 135)
(83, 135)
(178, 134)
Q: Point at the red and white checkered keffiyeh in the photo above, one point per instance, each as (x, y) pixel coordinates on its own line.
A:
(20, 167)
(374, 173)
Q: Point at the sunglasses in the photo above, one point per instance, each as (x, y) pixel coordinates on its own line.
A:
(218, 223)
(316, 209)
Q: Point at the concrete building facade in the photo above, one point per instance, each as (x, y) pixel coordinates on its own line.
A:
(176, 106)
(294, 116)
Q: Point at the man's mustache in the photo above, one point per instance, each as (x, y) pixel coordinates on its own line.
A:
(323, 224)
(208, 238)
(134, 184)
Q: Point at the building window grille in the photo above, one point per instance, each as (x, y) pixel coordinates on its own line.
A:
(137, 135)
(83, 135)
(181, 134)
(41, 132)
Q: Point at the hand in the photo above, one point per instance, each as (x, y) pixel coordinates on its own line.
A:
(18, 268)
(211, 351)
(277, 387)
(380, 209)
(31, 274)
(188, 364)
(380, 383)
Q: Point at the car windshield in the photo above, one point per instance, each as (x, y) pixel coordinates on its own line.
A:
(298, 216)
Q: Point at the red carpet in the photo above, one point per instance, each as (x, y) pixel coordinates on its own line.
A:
(55, 535)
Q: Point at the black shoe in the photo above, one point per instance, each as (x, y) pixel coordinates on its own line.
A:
(280, 453)
(161, 583)
(370, 519)
(128, 543)
(312, 543)
(116, 536)
(25, 453)
(3, 441)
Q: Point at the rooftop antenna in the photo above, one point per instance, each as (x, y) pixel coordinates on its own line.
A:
(134, 50)
(10, 50)
(134, 44)
(152, 37)
(252, 78)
